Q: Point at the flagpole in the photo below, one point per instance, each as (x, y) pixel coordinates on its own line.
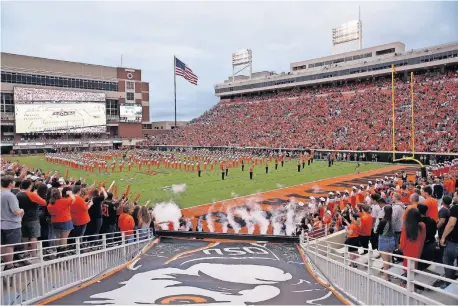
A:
(175, 87)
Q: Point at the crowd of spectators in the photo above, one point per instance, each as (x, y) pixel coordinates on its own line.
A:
(351, 117)
(56, 209)
(414, 219)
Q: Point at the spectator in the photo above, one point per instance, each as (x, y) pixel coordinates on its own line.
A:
(365, 227)
(429, 247)
(450, 241)
(95, 214)
(109, 214)
(444, 214)
(11, 216)
(413, 235)
(398, 213)
(144, 221)
(30, 202)
(126, 223)
(438, 191)
(387, 242)
(431, 203)
(59, 209)
(79, 212)
(352, 240)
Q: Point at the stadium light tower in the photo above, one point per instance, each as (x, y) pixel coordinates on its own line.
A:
(348, 32)
(241, 58)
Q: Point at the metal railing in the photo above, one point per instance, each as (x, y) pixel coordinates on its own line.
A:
(48, 272)
(363, 278)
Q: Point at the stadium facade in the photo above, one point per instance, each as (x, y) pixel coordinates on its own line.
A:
(31, 83)
(368, 63)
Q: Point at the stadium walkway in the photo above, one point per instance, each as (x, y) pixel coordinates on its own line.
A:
(177, 271)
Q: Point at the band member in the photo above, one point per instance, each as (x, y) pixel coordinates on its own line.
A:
(243, 165)
(298, 165)
(198, 168)
(267, 167)
(251, 171)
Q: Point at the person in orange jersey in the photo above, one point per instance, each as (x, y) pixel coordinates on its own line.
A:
(126, 223)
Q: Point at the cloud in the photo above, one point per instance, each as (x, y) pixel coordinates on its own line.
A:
(204, 34)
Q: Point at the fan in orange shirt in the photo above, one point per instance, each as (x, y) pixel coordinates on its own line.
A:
(433, 208)
(126, 223)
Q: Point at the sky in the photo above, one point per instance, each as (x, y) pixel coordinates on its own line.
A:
(204, 34)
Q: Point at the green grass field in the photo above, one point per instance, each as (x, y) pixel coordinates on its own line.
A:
(209, 187)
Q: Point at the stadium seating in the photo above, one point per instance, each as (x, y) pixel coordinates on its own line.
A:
(333, 117)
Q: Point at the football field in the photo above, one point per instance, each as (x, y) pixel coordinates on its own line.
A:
(156, 184)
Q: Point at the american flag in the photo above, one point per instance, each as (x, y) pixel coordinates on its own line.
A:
(182, 70)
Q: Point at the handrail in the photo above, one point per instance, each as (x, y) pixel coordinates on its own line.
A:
(87, 257)
(334, 261)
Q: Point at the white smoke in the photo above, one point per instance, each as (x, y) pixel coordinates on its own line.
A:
(167, 212)
(290, 222)
(230, 219)
(210, 223)
(316, 188)
(260, 218)
(234, 195)
(280, 186)
(276, 222)
(246, 216)
(179, 188)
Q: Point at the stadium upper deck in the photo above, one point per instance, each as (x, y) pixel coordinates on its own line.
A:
(364, 63)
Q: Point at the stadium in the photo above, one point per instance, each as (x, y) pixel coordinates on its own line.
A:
(299, 187)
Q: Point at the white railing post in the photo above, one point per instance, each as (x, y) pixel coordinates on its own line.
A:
(327, 260)
(368, 288)
(42, 266)
(104, 246)
(410, 267)
(78, 253)
(123, 242)
(346, 268)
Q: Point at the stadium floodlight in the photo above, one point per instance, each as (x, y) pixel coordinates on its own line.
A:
(241, 57)
(348, 32)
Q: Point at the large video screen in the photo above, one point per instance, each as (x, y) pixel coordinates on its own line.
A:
(85, 117)
(23, 94)
(130, 113)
